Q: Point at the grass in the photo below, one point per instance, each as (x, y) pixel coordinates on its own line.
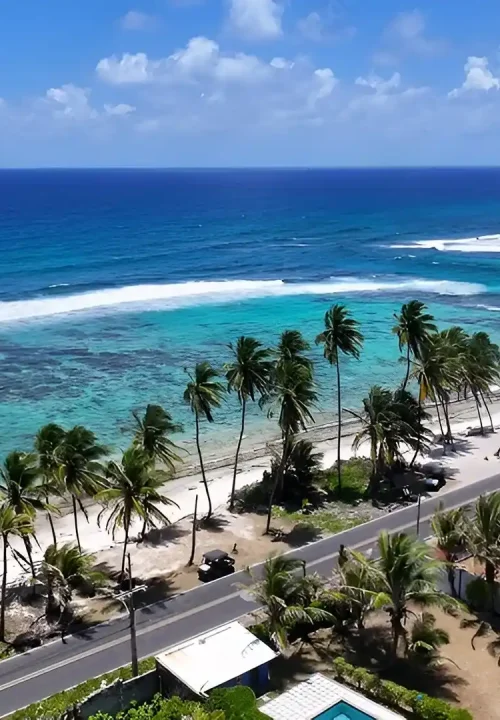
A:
(56, 705)
(354, 475)
(322, 520)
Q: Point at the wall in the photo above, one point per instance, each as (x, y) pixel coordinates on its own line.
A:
(119, 695)
(462, 579)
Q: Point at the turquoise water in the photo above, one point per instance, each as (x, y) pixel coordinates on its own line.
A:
(114, 281)
(343, 711)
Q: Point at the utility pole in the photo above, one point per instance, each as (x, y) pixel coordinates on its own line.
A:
(418, 513)
(127, 598)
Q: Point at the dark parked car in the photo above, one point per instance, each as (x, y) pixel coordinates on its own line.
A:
(215, 564)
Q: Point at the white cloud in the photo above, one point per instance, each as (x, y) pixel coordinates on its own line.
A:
(120, 109)
(136, 20)
(324, 83)
(407, 34)
(378, 84)
(70, 101)
(130, 69)
(312, 27)
(256, 19)
(478, 76)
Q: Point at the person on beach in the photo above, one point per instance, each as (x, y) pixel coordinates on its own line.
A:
(343, 557)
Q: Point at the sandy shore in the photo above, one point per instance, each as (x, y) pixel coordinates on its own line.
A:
(472, 461)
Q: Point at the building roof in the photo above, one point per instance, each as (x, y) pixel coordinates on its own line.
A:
(209, 660)
(310, 699)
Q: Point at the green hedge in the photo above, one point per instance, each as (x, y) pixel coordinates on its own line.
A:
(389, 693)
(53, 707)
(161, 708)
(237, 703)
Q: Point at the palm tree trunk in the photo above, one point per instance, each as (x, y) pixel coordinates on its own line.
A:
(396, 634)
(52, 528)
(407, 376)
(487, 410)
(75, 517)
(202, 467)
(478, 408)
(449, 434)
(419, 438)
(339, 431)
(439, 416)
(4, 589)
(144, 529)
(242, 431)
(279, 481)
(193, 536)
(29, 552)
(124, 556)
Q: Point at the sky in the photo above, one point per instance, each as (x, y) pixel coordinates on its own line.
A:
(208, 83)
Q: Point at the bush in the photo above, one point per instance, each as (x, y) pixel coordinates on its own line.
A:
(55, 706)
(355, 476)
(161, 708)
(477, 594)
(237, 703)
(390, 693)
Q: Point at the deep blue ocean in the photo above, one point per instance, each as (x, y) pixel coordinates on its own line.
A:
(113, 281)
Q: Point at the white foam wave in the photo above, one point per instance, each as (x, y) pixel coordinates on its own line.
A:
(481, 244)
(492, 308)
(59, 285)
(172, 296)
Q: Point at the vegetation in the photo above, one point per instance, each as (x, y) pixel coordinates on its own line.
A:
(12, 524)
(152, 436)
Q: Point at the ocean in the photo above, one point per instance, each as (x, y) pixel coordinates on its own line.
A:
(114, 281)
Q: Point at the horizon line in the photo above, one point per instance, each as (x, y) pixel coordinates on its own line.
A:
(164, 168)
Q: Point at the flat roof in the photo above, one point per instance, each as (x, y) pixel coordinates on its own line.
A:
(313, 697)
(209, 660)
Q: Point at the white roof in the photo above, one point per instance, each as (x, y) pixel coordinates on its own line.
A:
(311, 698)
(207, 661)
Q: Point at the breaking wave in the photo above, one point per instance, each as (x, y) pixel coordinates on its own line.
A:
(171, 296)
(481, 244)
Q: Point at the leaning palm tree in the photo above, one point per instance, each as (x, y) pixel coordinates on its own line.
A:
(483, 537)
(14, 524)
(281, 593)
(64, 568)
(152, 435)
(340, 336)
(292, 397)
(413, 328)
(132, 491)
(248, 375)
(47, 441)
(481, 369)
(21, 490)
(406, 573)
(203, 393)
(448, 527)
(79, 468)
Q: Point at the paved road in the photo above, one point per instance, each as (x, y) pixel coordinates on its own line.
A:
(30, 677)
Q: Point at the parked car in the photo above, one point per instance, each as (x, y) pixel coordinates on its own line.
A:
(215, 564)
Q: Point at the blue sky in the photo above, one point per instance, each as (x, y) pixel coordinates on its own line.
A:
(249, 82)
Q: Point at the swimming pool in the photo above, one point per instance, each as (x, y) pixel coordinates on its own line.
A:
(343, 711)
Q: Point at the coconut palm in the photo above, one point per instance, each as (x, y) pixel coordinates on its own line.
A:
(291, 347)
(248, 375)
(448, 527)
(14, 524)
(340, 336)
(292, 397)
(285, 599)
(132, 491)
(481, 363)
(47, 441)
(406, 573)
(483, 537)
(413, 328)
(426, 639)
(21, 490)
(203, 393)
(152, 435)
(80, 471)
(65, 568)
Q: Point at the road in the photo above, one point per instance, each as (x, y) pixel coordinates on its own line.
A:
(32, 676)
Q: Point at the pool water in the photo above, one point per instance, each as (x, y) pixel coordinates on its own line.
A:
(343, 711)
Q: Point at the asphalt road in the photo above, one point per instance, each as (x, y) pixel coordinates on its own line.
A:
(32, 676)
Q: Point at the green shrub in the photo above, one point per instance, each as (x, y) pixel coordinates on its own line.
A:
(54, 706)
(477, 594)
(237, 703)
(397, 696)
(355, 476)
(161, 708)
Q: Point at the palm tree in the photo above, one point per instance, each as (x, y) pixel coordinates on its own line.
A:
(483, 537)
(481, 360)
(47, 441)
(12, 523)
(64, 568)
(203, 393)
(21, 490)
(152, 432)
(413, 327)
(292, 396)
(247, 375)
(426, 639)
(285, 599)
(448, 527)
(80, 471)
(406, 573)
(291, 347)
(132, 491)
(341, 335)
